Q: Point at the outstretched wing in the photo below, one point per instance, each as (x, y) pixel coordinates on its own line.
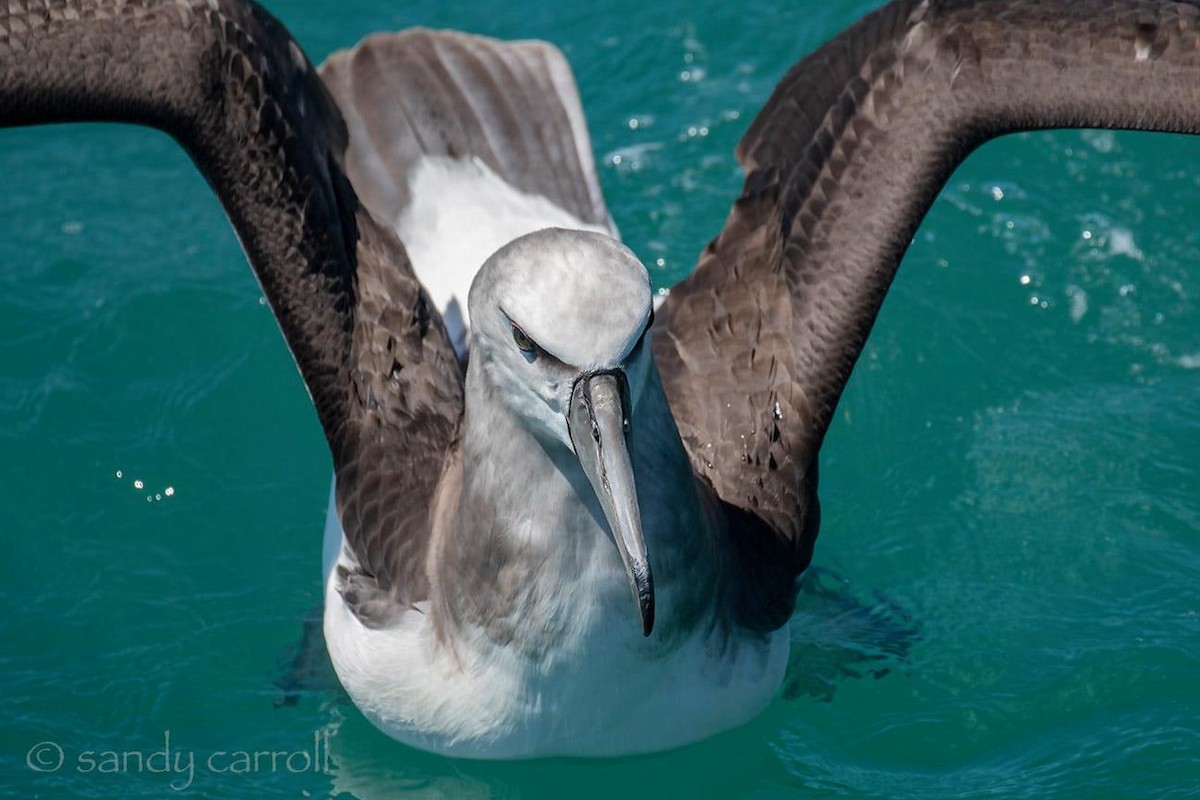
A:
(225, 79)
(841, 165)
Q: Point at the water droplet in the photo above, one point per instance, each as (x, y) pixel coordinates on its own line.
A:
(169, 491)
(120, 474)
(137, 484)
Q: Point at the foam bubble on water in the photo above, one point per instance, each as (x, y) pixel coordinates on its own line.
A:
(1190, 360)
(1079, 302)
(1120, 243)
(142, 486)
(1099, 140)
(1103, 239)
(632, 157)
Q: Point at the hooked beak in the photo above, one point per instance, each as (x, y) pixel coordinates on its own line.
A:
(598, 424)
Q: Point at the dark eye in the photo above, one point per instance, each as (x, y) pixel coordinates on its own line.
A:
(523, 341)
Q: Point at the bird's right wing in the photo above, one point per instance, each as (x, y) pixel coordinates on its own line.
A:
(226, 80)
(756, 346)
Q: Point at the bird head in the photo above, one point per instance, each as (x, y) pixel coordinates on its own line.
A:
(561, 321)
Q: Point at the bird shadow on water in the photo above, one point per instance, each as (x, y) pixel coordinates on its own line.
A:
(305, 665)
(840, 633)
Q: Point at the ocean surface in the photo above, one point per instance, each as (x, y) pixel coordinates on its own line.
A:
(1009, 596)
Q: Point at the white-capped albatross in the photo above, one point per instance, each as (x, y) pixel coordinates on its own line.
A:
(587, 541)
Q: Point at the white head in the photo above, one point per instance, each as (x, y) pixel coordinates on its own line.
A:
(560, 327)
(581, 299)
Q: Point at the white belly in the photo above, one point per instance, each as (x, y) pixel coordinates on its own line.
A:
(609, 695)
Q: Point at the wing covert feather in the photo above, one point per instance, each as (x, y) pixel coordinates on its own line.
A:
(406, 405)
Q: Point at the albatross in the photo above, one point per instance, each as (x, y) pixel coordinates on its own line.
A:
(564, 522)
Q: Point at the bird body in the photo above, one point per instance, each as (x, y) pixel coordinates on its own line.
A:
(524, 646)
(586, 684)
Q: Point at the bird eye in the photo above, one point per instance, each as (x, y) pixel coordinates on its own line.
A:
(523, 341)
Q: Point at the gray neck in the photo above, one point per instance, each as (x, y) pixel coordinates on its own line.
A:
(526, 557)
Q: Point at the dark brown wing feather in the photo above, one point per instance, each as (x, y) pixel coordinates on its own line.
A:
(843, 162)
(407, 401)
(228, 82)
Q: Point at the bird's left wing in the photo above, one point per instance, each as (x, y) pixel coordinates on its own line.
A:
(226, 80)
(842, 163)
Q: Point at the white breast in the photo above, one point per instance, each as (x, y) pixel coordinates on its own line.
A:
(609, 695)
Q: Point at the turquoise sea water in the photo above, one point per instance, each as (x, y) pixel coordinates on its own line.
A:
(1012, 483)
